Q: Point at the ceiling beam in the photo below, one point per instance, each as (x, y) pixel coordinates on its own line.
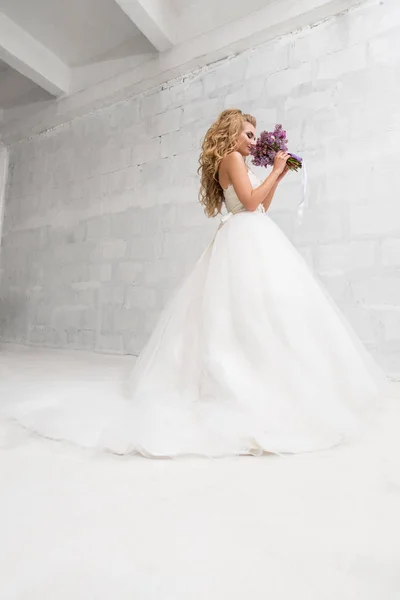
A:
(206, 49)
(151, 17)
(30, 58)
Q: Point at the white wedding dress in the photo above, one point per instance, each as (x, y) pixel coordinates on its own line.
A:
(251, 355)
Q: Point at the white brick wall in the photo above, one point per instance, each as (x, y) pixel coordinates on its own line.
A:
(102, 219)
(3, 180)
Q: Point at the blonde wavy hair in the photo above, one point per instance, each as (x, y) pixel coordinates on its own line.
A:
(221, 139)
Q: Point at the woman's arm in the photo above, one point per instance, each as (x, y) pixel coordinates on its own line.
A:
(268, 200)
(237, 172)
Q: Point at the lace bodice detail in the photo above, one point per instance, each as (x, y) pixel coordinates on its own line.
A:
(233, 203)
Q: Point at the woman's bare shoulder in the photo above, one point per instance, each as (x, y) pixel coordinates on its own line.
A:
(232, 158)
(233, 162)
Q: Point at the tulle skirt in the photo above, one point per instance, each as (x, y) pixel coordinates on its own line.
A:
(250, 355)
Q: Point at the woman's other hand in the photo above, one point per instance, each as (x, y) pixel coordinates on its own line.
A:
(280, 161)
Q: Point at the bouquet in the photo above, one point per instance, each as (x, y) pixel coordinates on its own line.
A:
(264, 151)
(268, 144)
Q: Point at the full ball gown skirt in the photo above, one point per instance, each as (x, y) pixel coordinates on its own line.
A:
(251, 355)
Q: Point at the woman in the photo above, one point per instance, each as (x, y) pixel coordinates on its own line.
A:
(250, 356)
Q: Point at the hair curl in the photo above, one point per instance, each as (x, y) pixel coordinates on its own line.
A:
(221, 139)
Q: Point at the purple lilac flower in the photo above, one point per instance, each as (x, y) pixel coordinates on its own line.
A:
(268, 144)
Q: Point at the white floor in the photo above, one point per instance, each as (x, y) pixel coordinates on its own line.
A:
(82, 526)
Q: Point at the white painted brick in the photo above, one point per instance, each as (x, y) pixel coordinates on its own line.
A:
(128, 272)
(159, 218)
(388, 359)
(118, 203)
(270, 58)
(158, 271)
(37, 335)
(110, 157)
(146, 248)
(344, 61)
(140, 297)
(317, 42)
(185, 92)
(127, 319)
(89, 319)
(247, 91)
(311, 102)
(323, 224)
(67, 318)
(391, 323)
(134, 342)
(189, 215)
(151, 320)
(106, 317)
(285, 82)
(375, 219)
(98, 227)
(112, 249)
(154, 171)
(177, 142)
(123, 179)
(122, 116)
(340, 258)
(349, 184)
(225, 74)
(367, 322)
(206, 109)
(84, 340)
(177, 194)
(111, 343)
(176, 245)
(126, 224)
(342, 151)
(380, 17)
(338, 287)
(266, 118)
(145, 150)
(156, 102)
(85, 285)
(385, 49)
(93, 188)
(379, 290)
(182, 167)
(100, 272)
(53, 339)
(85, 297)
(112, 294)
(390, 252)
(165, 122)
(42, 313)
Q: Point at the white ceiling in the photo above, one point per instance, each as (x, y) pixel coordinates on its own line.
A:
(195, 17)
(50, 50)
(17, 90)
(77, 31)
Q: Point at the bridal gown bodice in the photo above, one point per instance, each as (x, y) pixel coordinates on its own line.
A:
(232, 202)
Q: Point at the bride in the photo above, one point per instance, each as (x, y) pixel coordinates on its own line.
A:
(251, 355)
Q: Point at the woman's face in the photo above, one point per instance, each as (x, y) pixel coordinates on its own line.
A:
(246, 139)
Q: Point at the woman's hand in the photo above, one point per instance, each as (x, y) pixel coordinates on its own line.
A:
(282, 175)
(280, 162)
